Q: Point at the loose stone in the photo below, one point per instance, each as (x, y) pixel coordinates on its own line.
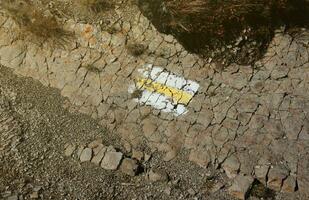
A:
(147, 157)
(80, 150)
(170, 155)
(260, 172)
(289, 185)
(99, 156)
(97, 149)
(240, 187)
(86, 155)
(168, 190)
(69, 150)
(129, 166)
(276, 176)
(191, 191)
(111, 160)
(95, 143)
(155, 175)
(34, 195)
(231, 166)
(138, 155)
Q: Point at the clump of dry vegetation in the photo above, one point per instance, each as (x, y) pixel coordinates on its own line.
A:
(137, 94)
(92, 68)
(135, 49)
(261, 192)
(41, 25)
(96, 6)
(206, 25)
(226, 19)
(93, 11)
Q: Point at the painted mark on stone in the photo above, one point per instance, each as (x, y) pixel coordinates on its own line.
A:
(164, 90)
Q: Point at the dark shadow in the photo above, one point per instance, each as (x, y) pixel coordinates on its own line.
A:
(260, 191)
(233, 31)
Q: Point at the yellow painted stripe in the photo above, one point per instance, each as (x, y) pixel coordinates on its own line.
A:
(177, 95)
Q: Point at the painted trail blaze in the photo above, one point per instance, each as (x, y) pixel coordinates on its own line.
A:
(164, 90)
(177, 95)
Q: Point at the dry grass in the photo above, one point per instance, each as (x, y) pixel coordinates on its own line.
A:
(205, 26)
(226, 19)
(187, 7)
(41, 26)
(135, 49)
(137, 94)
(96, 6)
(92, 68)
(220, 18)
(261, 192)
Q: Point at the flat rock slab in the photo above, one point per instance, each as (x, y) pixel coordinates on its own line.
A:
(86, 155)
(111, 160)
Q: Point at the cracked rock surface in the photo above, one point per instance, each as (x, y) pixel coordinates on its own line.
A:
(41, 143)
(252, 121)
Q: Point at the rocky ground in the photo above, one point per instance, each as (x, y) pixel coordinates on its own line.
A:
(40, 141)
(243, 132)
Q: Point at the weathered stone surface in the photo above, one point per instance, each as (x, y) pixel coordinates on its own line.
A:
(138, 155)
(99, 156)
(200, 157)
(86, 155)
(95, 143)
(240, 187)
(292, 126)
(303, 175)
(276, 176)
(205, 117)
(149, 128)
(170, 155)
(218, 185)
(80, 150)
(129, 166)
(34, 195)
(260, 172)
(248, 111)
(157, 175)
(147, 157)
(111, 160)
(13, 197)
(289, 185)
(69, 150)
(231, 166)
(97, 149)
